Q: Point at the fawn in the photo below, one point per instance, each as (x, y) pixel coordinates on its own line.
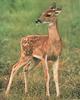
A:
(42, 47)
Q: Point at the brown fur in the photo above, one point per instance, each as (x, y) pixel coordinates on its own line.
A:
(42, 47)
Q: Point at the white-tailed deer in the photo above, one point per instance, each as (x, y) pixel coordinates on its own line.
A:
(42, 47)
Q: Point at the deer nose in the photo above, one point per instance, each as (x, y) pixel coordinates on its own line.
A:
(38, 21)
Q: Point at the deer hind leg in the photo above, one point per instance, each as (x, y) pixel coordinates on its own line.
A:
(28, 68)
(15, 68)
(25, 72)
(47, 77)
(56, 76)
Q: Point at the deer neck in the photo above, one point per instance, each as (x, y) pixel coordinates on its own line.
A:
(53, 32)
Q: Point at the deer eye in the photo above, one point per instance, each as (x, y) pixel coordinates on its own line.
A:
(48, 15)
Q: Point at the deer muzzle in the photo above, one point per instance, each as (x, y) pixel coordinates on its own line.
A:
(38, 21)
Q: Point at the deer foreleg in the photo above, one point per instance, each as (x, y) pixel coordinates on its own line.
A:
(47, 77)
(56, 76)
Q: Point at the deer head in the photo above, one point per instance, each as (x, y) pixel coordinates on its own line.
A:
(49, 16)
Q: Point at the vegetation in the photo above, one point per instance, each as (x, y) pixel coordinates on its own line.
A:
(17, 19)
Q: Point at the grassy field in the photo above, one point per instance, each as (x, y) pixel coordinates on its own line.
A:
(17, 19)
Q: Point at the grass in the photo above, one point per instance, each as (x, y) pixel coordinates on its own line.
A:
(17, 19)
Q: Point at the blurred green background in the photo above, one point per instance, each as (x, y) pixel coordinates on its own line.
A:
(17, 19)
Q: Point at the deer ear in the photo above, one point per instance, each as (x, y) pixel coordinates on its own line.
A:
(58, 11)
(53, 6)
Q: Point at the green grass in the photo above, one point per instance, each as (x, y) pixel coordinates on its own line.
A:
(17, 19)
